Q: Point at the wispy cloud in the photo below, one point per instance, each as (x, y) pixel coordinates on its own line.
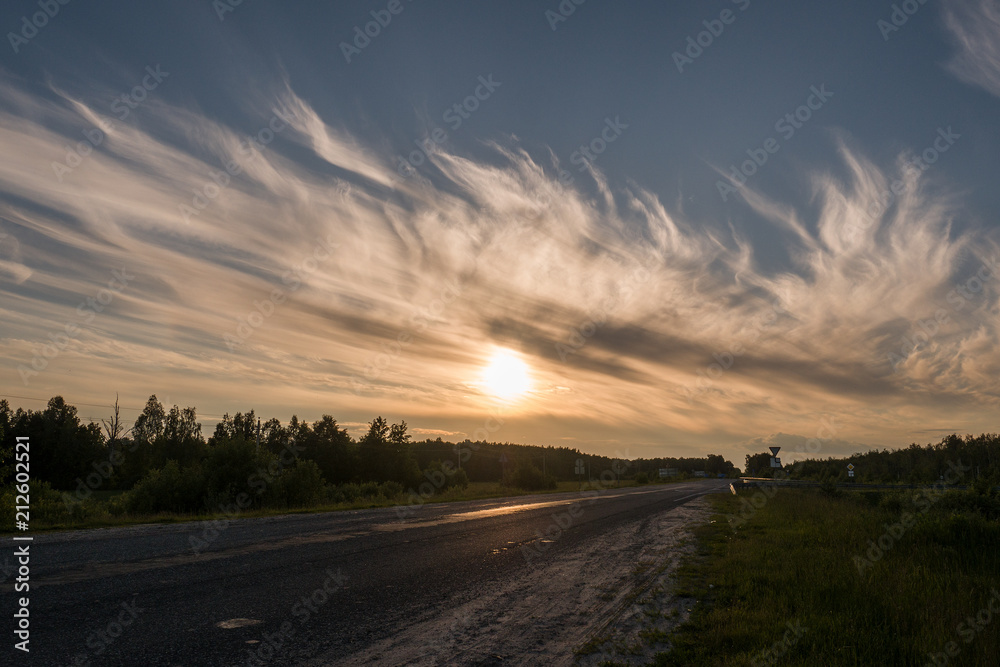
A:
(534, 260)
(975, 27)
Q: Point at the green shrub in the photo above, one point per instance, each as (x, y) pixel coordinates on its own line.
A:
(391, 489)
(459, 480)
(47, 506)
(168, 489)
(970, 502)
(299, 486)
(443, 476)
(236, 466)
(641, 478)
(353, 492)
(530, 478)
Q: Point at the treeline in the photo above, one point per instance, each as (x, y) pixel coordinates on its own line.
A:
(965, 459)
(165, 463)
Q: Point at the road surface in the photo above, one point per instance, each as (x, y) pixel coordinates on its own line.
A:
(507, 581)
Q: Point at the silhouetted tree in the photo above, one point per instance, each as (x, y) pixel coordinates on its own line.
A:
(332, 449)
(759, 465)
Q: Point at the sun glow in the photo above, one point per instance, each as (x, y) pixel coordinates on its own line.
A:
(506, 376)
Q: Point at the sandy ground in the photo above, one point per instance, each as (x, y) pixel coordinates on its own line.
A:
(584, 607)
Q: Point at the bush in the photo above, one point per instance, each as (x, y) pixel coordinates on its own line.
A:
(236, 466)
(970, 502)
(47, 505)
(641, 478)
(460, 480)
(443, 476)
(391, 489)
(298, 486)
(530, 478)
(168, 489)
(352, 492)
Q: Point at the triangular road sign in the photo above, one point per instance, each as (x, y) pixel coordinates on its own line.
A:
(774, 450)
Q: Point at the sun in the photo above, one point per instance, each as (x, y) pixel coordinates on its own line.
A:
(506, 376)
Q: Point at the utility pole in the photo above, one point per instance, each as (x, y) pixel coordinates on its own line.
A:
(258, 433)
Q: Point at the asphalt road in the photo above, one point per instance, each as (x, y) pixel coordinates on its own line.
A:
(316, 589)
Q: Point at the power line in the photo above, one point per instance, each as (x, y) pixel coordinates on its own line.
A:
(110, 406)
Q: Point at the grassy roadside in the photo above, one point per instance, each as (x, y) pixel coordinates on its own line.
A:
(49, 514)
(865, 578)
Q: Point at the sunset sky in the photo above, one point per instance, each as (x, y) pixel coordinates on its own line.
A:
(525, 209)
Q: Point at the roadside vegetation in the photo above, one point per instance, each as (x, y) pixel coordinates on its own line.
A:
(161, 468)
(814, 577)
(916, 464)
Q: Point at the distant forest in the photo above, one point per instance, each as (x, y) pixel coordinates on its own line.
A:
(168, 465)
(165, 464)
(960, 460)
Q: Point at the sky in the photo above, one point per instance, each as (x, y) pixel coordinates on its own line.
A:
(637, 229)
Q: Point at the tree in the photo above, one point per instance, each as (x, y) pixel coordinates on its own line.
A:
(114, 429)
(181, 440)
(385, 454)
(332, 449)
(6, 446)
(63, 450)
(759, 465)
(240, 427)
(149, 425)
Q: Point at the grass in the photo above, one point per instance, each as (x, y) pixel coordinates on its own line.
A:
(97, 514)
(785, 586)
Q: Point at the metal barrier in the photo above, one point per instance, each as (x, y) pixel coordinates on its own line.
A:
(752, 482)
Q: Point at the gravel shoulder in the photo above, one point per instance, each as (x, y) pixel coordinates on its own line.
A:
(585, 606)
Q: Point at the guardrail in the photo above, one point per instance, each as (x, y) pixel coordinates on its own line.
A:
(748, 482)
